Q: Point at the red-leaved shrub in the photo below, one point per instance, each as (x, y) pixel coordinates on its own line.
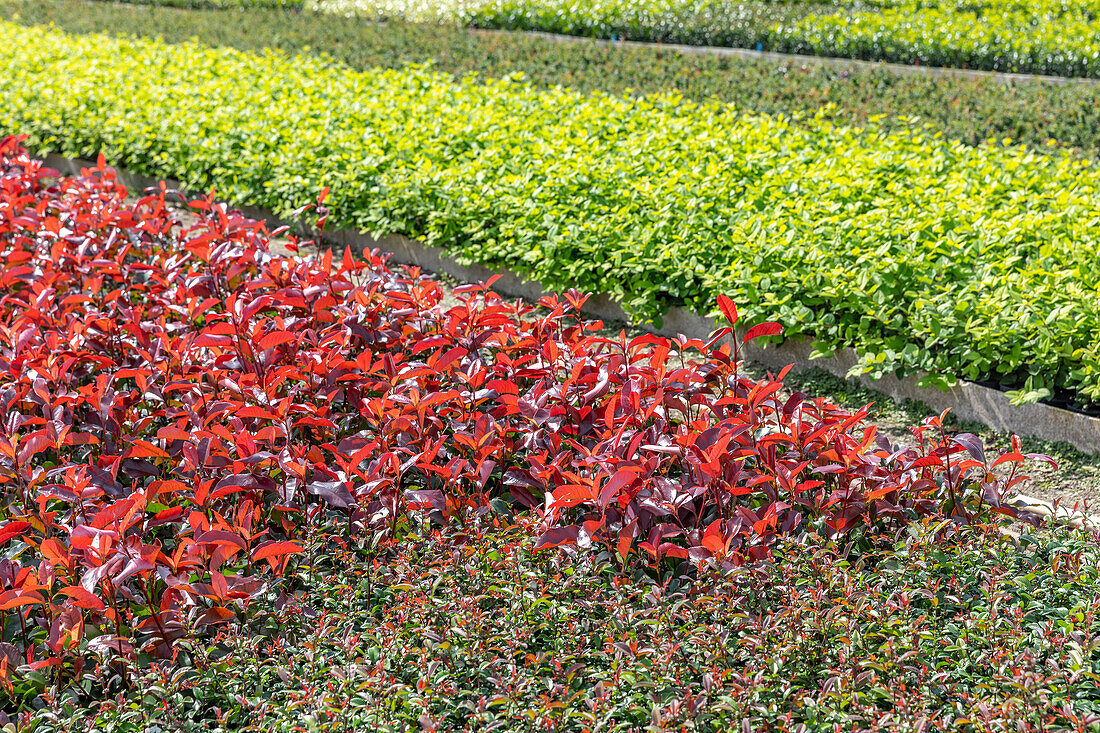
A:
(181, 408)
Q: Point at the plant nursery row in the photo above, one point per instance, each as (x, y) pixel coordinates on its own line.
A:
(921, 253)
(188, 417)
(1040, 37)
(966, 109)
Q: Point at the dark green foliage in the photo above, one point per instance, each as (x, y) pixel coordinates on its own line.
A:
(970, 110)
(456, 632)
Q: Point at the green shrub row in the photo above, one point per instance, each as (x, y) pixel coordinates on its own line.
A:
(970, 110)
(921, 253)
(1003, 35)
(1001, 39)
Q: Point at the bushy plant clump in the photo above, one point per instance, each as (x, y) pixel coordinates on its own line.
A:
(187, 414)
(1040, 36)
(969, 110)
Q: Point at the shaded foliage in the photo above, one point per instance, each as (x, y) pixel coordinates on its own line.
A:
(1039, 36)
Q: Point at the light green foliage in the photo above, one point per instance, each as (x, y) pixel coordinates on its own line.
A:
(921, 253)
(1038, 36)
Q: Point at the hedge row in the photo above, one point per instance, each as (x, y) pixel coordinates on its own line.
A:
(970, 110)
(921, 253)
(1000, 38)
(1002, 35)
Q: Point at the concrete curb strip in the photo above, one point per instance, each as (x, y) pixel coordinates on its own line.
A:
(1071, 516)
(966, 400)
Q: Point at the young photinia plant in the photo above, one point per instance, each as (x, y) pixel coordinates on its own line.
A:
(183, 410)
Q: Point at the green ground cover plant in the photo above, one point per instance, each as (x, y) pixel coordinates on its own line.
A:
(921, 253)
(457, 633)
(970, 110)
(1043, 37)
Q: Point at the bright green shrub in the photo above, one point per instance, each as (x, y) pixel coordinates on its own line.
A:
(921, 253)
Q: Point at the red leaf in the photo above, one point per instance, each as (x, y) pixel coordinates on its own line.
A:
(622, 478)
(275, 549)
(215, 615)
(334, 492)
(558, 536)
(16, 598)
(173, 433)
(1007, 457)
(569, 495)
(973, 445)
(728, 308)
(11, 529)
(31, 447)
(55, 552)
(81, 598)
(220, 537)
(144, 449)
(84, 537)
(762, 329)
(623, 545)
(275, 338)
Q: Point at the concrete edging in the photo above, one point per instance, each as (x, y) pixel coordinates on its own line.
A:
(1075, 516)
(966, 400)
